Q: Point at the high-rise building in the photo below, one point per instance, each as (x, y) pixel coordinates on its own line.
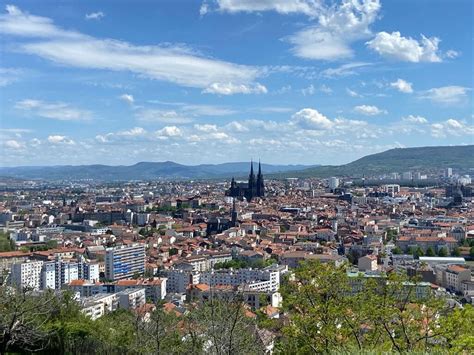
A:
(449, 172)
(27, 275)
(124, 262)
(333, 183)
(48, 275)
(66, 271)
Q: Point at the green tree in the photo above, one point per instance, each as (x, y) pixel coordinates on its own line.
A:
(456, 252)
(397, 250)
(418, 252)
(430, 252)
(442, 252)
(471, 252)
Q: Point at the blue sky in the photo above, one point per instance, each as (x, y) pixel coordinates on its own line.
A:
(287, 81)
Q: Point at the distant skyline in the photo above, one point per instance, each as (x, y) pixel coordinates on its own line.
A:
(288, 81)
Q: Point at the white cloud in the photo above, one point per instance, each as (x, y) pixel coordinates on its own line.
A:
(337, 28)
(236, 126)
(172, 63)
(402, 86)
(325, 89)
(53, 110)
(308, 118)
(446, 94)
(394, 46)
(231, 89)
(133, 132)
(451, 127)
(415, 119)
(276, 109)
(127, 98)
(14, 144)
(206, 127)
(306, 7)
(352, 93)
(344, 70)
(9, 76)
(369, 110)
(310, 90)
(162, 116)
(330, 38)
(57, 139)
(169, 131)
(95, 15)
(451, 54)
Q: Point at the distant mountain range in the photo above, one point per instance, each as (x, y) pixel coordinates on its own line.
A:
(423, 159)
(142, 171)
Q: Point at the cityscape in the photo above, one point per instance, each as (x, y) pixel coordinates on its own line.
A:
(164, 190)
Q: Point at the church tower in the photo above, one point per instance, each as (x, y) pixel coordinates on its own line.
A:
(252, 188)
(260, 190)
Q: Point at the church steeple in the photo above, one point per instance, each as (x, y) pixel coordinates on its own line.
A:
(252, 187)
(260, 190)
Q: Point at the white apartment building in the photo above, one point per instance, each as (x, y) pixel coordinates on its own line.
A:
(255, 279)
(27, 275)
(179, 280)
(131, 298)
(48, 276)
(97, 305)
(66, 272)
(455, 275)
(155, 288)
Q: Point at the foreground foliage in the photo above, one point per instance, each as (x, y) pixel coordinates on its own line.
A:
(387, 315)
(321, 314)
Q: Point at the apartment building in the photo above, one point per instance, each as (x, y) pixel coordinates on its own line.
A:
(124, 262)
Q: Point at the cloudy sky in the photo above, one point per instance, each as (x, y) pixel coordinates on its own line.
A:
(287, 81)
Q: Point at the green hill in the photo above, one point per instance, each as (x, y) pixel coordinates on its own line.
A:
(423, 159)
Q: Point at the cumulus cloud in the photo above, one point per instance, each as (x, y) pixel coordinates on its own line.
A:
(333, 30)
(446, 94)
(310, 90)
(94, 15)
(451, 127)
(169, 131)
(231, 89)
(133, 132)
(312, 119)
(306, 7)
(127, 98)
(57, 139)
(415, 119)
(337, 28)
(402, 86)
(206, 127)
(395, 46)
(14, 144)
(172, 63)
(369, 110)
(53, 110)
